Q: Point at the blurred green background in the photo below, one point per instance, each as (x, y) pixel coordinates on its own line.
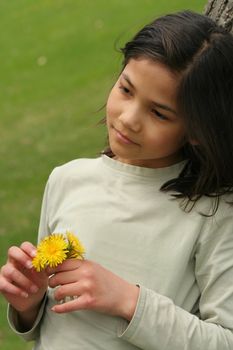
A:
(58, 60)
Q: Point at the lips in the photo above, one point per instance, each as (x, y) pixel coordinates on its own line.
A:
(122, 137)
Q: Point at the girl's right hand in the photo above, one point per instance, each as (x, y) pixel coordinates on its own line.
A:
(20, 284)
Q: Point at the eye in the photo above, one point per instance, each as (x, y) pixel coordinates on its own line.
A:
(124, 90)
(159, 115)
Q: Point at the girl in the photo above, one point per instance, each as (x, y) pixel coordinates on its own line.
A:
(154, 211)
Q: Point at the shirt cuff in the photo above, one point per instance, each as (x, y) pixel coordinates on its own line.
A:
(31, 334)
(126, 330)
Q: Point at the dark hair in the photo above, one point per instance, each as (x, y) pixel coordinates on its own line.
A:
(201, 52)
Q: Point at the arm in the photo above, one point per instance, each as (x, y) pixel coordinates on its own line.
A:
(26, 321)
(29, 330)
(22, 286)
(159, 324)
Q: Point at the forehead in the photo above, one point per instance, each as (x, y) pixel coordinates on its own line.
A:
(152, 79)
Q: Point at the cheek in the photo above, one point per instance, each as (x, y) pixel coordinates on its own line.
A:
(178, 140)
(112, 108)
(166, 138)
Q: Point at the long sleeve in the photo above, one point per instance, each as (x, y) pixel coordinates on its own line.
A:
(159, 324)
(12, 315)
(32, 333)
(183, 262)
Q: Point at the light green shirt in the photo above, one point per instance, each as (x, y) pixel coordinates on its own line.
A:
(183, 262)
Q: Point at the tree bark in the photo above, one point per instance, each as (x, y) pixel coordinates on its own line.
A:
(221, 11)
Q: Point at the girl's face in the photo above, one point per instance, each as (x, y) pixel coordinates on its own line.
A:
(143, 126)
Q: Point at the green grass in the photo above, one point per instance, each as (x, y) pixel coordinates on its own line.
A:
(58, 63)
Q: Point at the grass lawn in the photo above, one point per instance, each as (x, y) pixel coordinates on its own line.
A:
(58, 62)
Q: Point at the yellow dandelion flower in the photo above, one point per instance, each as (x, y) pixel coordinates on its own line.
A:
(51, 251)
(56, 248)
(38, 262)
(75, 247)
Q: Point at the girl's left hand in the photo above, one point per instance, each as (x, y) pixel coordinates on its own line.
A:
(93, 288)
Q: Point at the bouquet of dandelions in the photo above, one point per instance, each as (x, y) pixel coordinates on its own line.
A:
(56, 248)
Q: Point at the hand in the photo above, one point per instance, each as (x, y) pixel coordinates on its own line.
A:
(20, 284)
(93, 288)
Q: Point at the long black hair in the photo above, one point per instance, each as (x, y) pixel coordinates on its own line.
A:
(201, 52)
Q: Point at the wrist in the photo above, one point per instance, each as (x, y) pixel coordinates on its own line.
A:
(130, 304)
(26, 318)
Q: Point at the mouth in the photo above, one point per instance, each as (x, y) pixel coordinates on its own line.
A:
(123, 138)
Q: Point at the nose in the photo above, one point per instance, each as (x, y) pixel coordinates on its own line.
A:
(131, 118)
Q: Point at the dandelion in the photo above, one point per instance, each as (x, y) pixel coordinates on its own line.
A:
(75, 247)
(55, 249)
(38, 262)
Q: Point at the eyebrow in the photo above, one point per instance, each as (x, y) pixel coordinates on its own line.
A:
(159, 105)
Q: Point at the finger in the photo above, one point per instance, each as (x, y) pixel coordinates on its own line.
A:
(61, 278)
(37, 278)
(8, 288)
(68, 290)
(16, 254)
(67, 265)
(81, 303)
(29, 249)
(17, 278)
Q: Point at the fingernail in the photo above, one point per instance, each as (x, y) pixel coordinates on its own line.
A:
(34, 289)
(24, 295)
(29, 265)
(33, 253)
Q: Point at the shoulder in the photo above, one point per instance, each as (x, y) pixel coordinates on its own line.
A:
(73, 169)
(219, 225)
(74, 173)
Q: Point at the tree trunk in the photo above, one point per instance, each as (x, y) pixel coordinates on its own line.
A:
(221, 11)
